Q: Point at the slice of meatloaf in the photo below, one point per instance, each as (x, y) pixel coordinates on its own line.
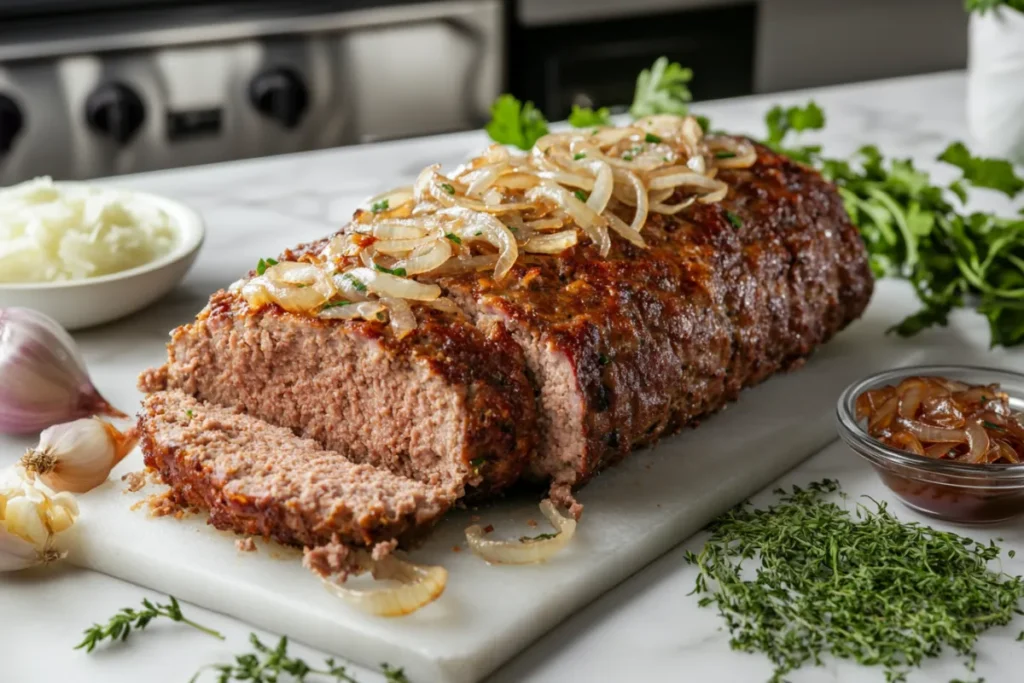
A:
(636, 345)
(449, 405)
(258, 479)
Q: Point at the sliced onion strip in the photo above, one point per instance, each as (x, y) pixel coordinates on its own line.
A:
(524, 551)
(421, 585)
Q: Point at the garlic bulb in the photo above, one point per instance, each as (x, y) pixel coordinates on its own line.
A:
(78, 456)
(44, 376)
(31, 515)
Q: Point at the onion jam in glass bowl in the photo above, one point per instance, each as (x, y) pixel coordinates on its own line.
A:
(955, 482)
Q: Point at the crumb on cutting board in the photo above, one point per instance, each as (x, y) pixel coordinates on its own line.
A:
(135, 481)
(456, 548)
(532, 523)
(489, 528)
(246, 545)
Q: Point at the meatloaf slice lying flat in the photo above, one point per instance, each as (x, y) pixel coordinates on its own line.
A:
(449, 405)
(255, 478)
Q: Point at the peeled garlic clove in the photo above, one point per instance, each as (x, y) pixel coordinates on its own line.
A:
(26, 520)
(44, 376)
(78, 456)
(16, 553)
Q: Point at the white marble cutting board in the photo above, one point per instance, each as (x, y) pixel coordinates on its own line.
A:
(634, 513)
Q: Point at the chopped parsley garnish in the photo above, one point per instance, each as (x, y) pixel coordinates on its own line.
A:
(382, 205)
(515, 123)
(725, 154)
(400, 272)
(478, 233)
(993, 426)
(578, 155)
(736, 221)
(454, 238)
(448, 188)
(538, 537)
(356, 282)
(477, 462)
(580, 195)
(585, 117)
(704, 123)
(603, 359)
(380, 316)
(189, 414)
(335, 304)
(627, 157)
(262, 266)
(651, 137)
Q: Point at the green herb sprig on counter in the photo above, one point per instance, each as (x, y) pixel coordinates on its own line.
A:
(266, 665)
(121, 625)
(952, 258)
(862, 586)
(662, 89)
(263, 665)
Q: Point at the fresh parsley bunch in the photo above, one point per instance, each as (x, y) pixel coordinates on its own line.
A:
(917, 230)
(662, 89)
(982, 6)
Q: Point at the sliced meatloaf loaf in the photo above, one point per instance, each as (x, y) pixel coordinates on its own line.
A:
(255, 478)
(618, 349)
(449, 405)
(635, 345)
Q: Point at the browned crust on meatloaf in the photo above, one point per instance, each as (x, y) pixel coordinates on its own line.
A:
(636, 345)
(627, 348)
(449, 404)
(258, 479)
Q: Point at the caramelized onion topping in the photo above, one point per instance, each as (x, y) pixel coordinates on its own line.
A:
(945, 420)
(573, 187)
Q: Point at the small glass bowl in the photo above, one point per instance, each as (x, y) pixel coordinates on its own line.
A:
(952, 491)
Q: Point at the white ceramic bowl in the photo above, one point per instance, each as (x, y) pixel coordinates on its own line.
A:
(76, 304)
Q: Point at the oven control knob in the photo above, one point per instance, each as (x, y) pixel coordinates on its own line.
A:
(11, 123)
(116, 111)
(280, 94)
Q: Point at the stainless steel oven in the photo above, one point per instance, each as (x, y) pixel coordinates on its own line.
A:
(115, 86)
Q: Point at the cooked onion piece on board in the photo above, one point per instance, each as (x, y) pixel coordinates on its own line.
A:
(573, 186)
(525, 550)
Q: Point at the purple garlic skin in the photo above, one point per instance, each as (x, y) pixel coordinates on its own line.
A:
(43, 378)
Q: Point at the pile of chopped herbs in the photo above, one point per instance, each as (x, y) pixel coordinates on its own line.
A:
(914, 228)
(806, 578)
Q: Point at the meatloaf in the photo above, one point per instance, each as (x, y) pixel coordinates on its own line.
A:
(449, 405)
(255, 478)
(568, 363)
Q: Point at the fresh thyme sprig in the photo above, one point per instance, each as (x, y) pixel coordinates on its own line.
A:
(120, 626)
(266, 665)
(865, 587)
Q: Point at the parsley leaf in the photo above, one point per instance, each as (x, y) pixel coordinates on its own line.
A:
(447, 187)
(983, 6)
(580, 195)
(578, 155)
(400, 272)
(263, 264)
(736, 221)
(995, 174)
(382, 205)
(454, 238)
(652, 138)
(662, 89)
(356, 282)
(335, 304)
(515, 123)
(585, 117)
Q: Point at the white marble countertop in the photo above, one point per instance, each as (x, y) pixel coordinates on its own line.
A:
(647, 629)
